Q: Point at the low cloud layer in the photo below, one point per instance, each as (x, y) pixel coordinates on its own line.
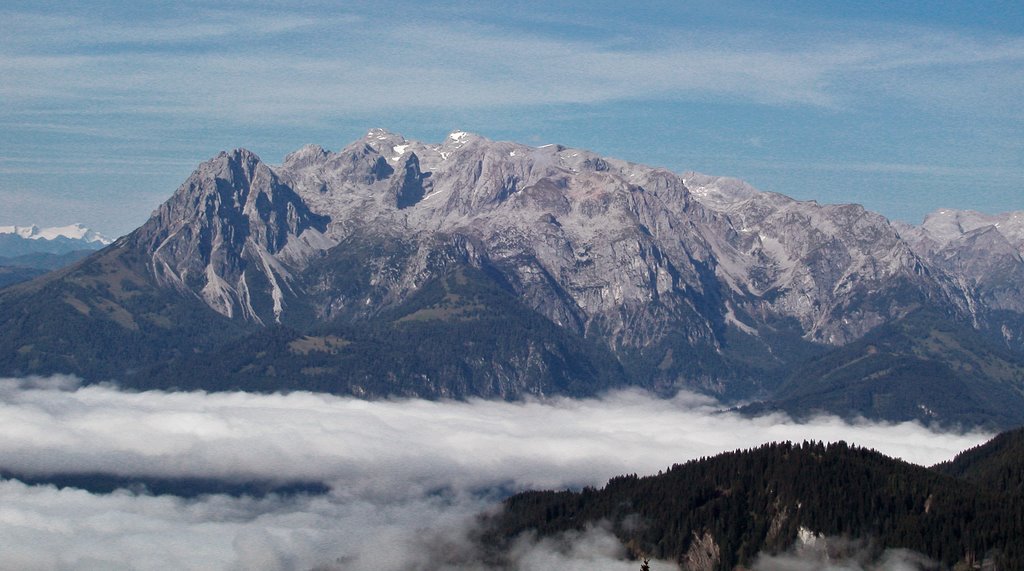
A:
(841, 554)
(407, 477)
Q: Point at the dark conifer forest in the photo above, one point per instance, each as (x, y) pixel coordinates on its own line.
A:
(960, 513)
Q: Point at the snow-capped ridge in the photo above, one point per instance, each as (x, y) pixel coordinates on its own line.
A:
(71, 232)
(458, 139)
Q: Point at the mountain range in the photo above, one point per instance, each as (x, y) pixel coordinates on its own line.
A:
(481, 268)
(30, 251)
(72, 232)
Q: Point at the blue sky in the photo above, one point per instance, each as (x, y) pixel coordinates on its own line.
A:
(106, 107)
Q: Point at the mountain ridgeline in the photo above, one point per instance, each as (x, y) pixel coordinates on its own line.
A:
(723, 512)
(482, 268)
(27, 252)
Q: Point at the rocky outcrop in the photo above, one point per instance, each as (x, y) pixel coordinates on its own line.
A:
(703, 555)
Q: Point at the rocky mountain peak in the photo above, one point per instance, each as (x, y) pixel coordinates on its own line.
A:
(980, 258)
(231, 220)
(306, 156)
(381, 134)
(231, 164)
(383, 141)
(458, 139)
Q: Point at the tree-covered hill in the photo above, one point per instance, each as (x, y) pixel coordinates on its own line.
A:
(729, 508)
(925, 367)
(996, 465)
(10, 275)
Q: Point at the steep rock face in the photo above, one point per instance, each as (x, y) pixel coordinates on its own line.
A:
(577, 239)
(988, 265)
(613, 248)
(980, 259)
(232, 226)
(703, 555)
(822, 265)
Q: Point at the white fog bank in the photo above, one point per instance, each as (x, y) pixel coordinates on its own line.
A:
(407, 477)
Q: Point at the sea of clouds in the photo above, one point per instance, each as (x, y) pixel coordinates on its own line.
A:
(408, 478)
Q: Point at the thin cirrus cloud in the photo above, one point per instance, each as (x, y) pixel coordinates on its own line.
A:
(284, 67)
(406, 476)
(681, 86)
(32, 30)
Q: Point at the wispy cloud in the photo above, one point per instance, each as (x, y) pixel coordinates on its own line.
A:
(404, 474)
(259, 66)
(91, 165)
(33, 30)
(929, 170)
(655, 85)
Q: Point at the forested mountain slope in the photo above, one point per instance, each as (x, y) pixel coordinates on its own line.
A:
(721, 512)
